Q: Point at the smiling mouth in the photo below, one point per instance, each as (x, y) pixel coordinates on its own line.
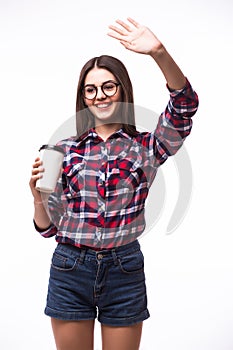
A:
(103, 105)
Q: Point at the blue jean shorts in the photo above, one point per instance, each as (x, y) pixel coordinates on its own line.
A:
(108, 284)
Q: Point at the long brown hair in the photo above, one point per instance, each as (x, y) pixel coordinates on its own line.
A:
(84, 119)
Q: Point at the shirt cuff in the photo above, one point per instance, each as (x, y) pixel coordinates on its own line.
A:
(39, 229)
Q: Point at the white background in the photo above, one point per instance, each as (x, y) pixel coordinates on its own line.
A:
(189, 273)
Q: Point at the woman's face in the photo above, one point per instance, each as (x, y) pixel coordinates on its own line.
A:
(101, 95)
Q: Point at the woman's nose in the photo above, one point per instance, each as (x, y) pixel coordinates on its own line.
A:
(100, 94)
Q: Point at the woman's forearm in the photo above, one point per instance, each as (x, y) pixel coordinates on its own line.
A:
(171, 71)
(41, 216)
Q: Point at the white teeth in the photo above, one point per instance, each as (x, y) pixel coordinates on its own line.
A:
(103, 105)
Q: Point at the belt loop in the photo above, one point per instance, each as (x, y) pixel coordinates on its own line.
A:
(114, 256)
(82, 256)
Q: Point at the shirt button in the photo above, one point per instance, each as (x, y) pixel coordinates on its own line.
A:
(102, 206)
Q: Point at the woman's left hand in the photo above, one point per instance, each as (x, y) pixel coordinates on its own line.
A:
(137, 38)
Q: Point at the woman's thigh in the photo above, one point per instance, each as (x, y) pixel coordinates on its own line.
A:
(123, 338)
(73, 335)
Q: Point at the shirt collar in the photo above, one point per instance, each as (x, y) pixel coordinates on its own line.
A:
(93, 134)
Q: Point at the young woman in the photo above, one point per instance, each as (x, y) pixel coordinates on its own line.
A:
(96, 212)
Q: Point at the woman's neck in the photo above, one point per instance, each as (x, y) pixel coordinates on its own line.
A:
(105, 130)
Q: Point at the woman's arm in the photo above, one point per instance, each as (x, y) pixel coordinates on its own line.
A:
(172, 73)
(41, 217)
(175, 122)
(141, 39)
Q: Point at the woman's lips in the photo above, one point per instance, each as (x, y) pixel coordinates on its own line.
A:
(103, 105)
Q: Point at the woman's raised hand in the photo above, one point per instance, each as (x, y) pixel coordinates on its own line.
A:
(135, 37)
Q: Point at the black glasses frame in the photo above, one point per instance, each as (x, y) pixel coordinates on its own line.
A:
(102, 89)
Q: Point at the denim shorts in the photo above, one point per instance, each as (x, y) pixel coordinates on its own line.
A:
(107, 284)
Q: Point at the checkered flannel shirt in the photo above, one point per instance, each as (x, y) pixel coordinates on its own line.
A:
(99, 200)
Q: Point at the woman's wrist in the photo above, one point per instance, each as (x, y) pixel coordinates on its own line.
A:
(158, 51)
(39, 202)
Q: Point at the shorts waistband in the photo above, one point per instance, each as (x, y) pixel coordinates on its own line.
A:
(99, 254)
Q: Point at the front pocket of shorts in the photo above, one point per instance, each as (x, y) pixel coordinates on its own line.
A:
(63, 263)
(132, 263)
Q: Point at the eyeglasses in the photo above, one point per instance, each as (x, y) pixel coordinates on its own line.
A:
(109, 88)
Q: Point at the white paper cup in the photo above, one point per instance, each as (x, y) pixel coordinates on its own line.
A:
(52, 158)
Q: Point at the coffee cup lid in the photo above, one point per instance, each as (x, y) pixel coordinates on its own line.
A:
(52, 147)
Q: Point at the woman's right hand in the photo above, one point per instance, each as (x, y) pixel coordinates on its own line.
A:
(37, 170)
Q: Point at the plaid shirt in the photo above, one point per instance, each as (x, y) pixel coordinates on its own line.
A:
(100, 198)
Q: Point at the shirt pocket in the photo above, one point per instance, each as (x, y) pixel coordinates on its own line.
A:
(75, 179)
(122, 185)
(128, 175)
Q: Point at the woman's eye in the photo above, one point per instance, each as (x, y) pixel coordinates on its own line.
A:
(90, 90)
(109, 86)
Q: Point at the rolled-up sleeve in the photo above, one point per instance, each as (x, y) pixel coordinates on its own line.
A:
(56, 212)
(175, 123)
(48, 232)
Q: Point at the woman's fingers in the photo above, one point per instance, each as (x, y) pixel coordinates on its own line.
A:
(131, 20)
(125, 29)
(37, 162)
(124, 25)
(126, 33)
(37, 165)
(37, 171)
(113, 32)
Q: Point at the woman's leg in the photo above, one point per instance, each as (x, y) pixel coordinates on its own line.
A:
(121, 338)
(73, 335)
